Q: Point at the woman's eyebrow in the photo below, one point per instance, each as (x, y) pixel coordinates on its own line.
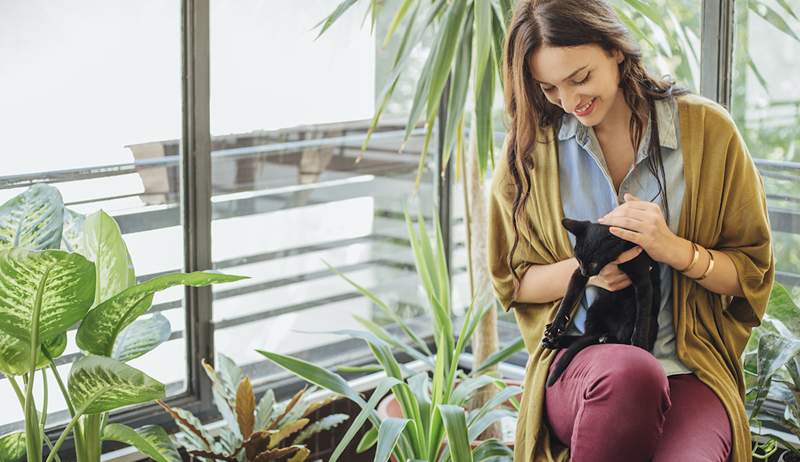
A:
(568, 77)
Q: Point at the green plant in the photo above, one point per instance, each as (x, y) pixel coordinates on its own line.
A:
(433, 401)
(44, 291)
(254, 432)
(772, 369)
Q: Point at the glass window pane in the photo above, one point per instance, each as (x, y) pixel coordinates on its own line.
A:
(288, 115)
(91, 104)
(765, 104)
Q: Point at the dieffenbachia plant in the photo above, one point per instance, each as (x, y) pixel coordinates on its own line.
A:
(59, 269)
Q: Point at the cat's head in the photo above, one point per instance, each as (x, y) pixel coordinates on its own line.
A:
(595, 246)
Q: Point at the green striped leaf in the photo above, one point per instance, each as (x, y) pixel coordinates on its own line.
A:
(141, 337)
(15, 354)
(151, 441)
(99, 384)
(52, 289)
(102, 243)
(72, 230)
(455, 426)
(100, 328)
(388, 435)
(32, 220)
(12, 447)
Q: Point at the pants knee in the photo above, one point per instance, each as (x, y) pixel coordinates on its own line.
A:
(636, 375)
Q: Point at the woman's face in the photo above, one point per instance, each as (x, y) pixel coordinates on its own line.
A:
(583, 80)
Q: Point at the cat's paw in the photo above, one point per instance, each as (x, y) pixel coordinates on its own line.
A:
(551, 332)
(550, 343)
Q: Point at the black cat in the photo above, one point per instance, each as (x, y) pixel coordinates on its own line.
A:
(628, 316)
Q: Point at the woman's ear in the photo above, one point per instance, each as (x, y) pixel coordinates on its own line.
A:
(619, 56)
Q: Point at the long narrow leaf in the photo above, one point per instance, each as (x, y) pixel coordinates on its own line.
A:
(388, 434)
(456, 427)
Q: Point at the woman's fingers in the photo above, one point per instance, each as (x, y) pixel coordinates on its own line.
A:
(627, 255)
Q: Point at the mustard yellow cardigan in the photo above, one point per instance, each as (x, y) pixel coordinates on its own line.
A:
(724, 208)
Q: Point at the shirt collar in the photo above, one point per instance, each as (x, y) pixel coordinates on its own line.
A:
(665, 115)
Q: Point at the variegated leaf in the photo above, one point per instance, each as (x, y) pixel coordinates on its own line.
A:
(324, 424)
(102, 243)
(100, 328)
(264, 409)
(12, 447)
(141, 337)
(73, 228)
(197, 436)
(54, 286)
(99, 384)
(15, 354)
(151, 440)
(32, 220)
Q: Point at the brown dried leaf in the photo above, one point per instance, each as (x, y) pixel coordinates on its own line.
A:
(292, 403)
(276, 437)
(273, 454)
(245, 407)
(256, 444)
(300, 456)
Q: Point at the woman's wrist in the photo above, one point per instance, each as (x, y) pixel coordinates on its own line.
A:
(682, 255)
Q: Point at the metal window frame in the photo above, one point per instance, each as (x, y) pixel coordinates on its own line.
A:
(716, 50)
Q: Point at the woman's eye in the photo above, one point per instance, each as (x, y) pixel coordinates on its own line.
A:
(585, 79)
(548, 90)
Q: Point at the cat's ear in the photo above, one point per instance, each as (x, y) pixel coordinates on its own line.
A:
(574, 226)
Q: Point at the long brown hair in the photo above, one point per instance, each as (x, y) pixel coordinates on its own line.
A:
(566, 23)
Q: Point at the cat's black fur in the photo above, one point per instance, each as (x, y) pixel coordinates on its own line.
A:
(628, 316)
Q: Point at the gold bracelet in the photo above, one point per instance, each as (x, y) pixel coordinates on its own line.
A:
(695, 258)
(710, 266)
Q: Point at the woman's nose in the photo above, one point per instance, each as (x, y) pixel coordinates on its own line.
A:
(569, 101)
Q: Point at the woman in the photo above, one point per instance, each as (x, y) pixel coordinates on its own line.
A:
(593, 136)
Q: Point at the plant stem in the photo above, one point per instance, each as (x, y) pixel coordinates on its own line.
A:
(80, 453)
(17, 391)
(60, 440)
(93, 442)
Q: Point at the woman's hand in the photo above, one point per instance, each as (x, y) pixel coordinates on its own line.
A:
(642, 223)
(611, 277)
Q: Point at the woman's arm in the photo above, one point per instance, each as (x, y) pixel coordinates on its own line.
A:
(545, 283)
(722, 279)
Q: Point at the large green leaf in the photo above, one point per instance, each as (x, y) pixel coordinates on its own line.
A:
(314, 374)
(388, 435)
(102, 243)
(73, 229)
(455, 425)
(100, 328)
(12, 447)
(54, 286)
(151, 441)
(33, 219)
(15, 354)
(99, 384)
(141, 337)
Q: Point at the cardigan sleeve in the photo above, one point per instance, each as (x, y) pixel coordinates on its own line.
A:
(745, 234)
(501, 236)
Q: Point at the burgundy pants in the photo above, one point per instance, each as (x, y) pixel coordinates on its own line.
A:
(615, 403)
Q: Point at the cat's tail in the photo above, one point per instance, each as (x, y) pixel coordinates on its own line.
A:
(570, 353)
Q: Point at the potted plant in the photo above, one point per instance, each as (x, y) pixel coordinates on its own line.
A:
(254, 431)
(772, 369)
(435, 422)
(59, 268)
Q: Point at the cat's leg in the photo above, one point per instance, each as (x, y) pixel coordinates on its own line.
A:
(572, 297)
(638, 270)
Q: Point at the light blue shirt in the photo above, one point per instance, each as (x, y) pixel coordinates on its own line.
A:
(587, 193)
